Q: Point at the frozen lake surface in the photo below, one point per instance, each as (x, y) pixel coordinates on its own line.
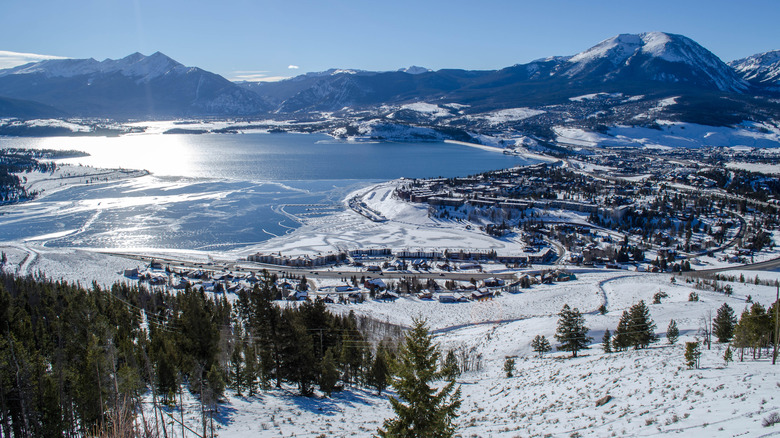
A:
(219, 192)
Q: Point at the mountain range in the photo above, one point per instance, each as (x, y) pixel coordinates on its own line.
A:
(650, 66)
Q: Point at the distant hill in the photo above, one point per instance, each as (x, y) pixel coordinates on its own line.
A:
(25, 109)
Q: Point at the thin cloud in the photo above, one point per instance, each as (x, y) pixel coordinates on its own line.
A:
(256, 76)
(293, 67)
(12, 59)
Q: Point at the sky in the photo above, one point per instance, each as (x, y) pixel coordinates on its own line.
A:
(273, 39)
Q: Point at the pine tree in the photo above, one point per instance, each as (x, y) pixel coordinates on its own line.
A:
(379, 375)
(509, 367)
(622, 338)
(728, 356)
(572, 332)
(216, 381)
(329, 374)
(237, 368)
(297, 352)
(606, 342)
(742, 334)
(724, 323)
(641, 328)
(451, 370)
(672, 333)
(692, 354)
(420, 410)
(541, 345)
(250, 367)
(760, 329)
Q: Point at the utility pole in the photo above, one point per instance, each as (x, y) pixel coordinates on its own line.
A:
(777, 321)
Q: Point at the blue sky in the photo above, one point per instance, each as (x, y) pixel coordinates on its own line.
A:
(260, 38)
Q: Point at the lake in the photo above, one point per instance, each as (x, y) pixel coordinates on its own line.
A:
(219, 191)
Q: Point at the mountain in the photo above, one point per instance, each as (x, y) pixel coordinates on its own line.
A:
(653, 57)
(415, 70)
(132, 87)
(25, 109)
(648, 75)
(761, 70)
(653, 63)
(334, 90)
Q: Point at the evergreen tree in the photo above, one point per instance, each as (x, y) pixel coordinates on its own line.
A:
(692, 354)
(728, 356)
(329, 374)
(451, 370)
(606, 341)
(250, 366)
(724, 323)
(420, 410)
(572, 332)
(509, 367)
(237, 368)
(541, 345)
(380, 369)
(672, 332)
(641, 328)
(760, 329)
(742, 334)
(297, 352)
(622, 338)
(216, 382)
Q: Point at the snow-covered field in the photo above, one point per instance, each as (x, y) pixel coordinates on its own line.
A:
(653, 392)
(672, 135)
(408, 227)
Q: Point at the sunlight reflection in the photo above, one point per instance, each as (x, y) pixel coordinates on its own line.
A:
(164, 155)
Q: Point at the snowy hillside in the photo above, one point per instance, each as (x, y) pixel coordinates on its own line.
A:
(763, 68)
(673, 135)
(650, 392)
(656, 56)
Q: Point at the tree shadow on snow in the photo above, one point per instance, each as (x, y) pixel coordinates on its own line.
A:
(336, 402)
(224, 413)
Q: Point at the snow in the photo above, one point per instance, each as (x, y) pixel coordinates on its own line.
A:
(509, 115)
(578, 137)
(622, 50)
(672, 135)
(653, 392)
(618, 48)
(771, 169)
(763, 67)
(427, 108)
(596, 96)
(135, 65)
(415, 70)
(657, 44)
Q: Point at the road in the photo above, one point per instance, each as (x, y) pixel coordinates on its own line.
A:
(760, 266)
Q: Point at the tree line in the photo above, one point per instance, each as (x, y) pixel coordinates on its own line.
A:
(77, 361)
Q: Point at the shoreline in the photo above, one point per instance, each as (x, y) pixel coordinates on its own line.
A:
(71, 175)
(477, 146)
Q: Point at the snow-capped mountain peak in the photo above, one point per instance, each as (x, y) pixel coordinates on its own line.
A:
(136, 65)
(762, 68)
(616, 49)
(415, 70)
(658, 56)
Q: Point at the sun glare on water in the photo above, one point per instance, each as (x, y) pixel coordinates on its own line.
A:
(163, 155)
